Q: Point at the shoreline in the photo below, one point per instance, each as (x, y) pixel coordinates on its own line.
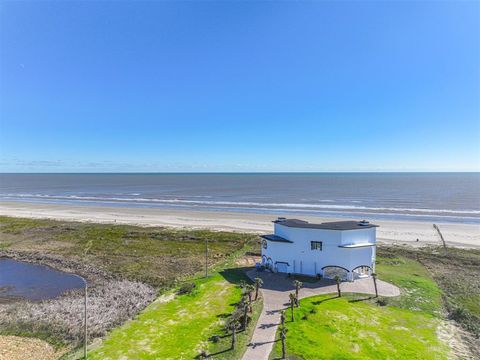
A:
(399, 232)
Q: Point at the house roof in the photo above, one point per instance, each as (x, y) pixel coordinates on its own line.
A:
(334, 225)
(275, 238)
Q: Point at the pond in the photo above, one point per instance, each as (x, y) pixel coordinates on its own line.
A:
(22, 280)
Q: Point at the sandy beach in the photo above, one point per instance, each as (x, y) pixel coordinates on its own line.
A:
(391, 232)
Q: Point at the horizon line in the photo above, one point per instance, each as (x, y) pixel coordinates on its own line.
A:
(251, 172)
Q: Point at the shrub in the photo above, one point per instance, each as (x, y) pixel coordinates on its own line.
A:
(459, 314)
(186, 288)
(215, 338)
(382, 302)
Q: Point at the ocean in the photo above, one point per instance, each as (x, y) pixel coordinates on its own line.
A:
(435, 197)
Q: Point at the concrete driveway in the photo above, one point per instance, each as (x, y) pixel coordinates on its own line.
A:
(275, 291)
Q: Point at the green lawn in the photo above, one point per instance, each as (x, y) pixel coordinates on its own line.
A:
(327, 327)
(419, 292)
(179, 328)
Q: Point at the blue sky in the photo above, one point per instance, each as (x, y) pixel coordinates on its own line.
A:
(239, 86)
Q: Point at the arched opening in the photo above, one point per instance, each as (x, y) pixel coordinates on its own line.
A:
(331, 271)
(264, 260)
(362, 271)
(281, 266)
(269, 263)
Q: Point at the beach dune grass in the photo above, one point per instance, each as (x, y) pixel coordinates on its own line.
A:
(329, 327)
(452, 278)
(179, 326)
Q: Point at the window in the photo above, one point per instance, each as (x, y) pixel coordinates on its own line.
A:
(264, 244)
(316, 245)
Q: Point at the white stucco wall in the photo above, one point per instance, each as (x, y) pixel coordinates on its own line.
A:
(303, 260)
(358, 236)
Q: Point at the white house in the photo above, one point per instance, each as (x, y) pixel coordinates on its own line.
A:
(344, 248)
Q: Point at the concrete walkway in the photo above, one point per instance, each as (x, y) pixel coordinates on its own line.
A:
(275, 291)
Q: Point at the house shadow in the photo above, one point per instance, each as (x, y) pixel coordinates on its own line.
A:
(271, 281)
(283, 282)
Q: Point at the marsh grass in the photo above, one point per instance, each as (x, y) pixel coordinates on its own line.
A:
(60, 321)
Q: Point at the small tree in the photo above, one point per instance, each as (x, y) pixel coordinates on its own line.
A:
(298, 285)
(258, 284)
(283, 337)
(245, 315)
(282, 318)
(232, 325)
(292, 304)
(234, 335)
(249, 290)
(337, 279)
(374, 277)
(242, 284)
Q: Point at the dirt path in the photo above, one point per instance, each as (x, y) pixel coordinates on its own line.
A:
(275, 291)
(19, 348)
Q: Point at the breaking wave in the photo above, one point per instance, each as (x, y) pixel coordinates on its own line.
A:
(196, 202)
